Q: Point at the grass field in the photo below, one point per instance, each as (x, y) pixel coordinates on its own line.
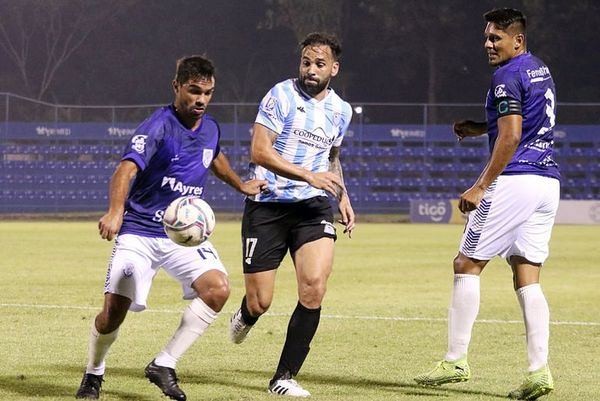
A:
(383, 319)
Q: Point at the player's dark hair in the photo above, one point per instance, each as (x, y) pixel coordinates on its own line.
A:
(505, 17)
(323, 38)
(194, 67)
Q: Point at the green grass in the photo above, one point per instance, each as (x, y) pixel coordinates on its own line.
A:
(369, 344)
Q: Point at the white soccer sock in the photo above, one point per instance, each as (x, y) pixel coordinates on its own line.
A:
(98, 347)
(196, 318)
(461, 314)
(537, 324)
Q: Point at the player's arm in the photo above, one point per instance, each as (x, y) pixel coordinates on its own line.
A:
(222, 169)
(509, 135)
(336, 168)
(263, 154)
(110, 223)
(346, 211)
(469, 128)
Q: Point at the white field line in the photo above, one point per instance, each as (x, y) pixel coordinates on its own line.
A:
(341, 317)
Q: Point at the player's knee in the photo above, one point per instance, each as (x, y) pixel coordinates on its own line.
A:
(465, 265)
(257, 306)
(216, 295)
(458, 264)
(312, 291)
(110, 319)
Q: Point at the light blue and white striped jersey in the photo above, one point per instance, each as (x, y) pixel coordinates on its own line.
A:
(307, 130)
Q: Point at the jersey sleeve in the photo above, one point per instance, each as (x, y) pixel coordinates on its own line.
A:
(507, 92)
(506, 83)
(345, 119)
(273, 110)
(143, 144)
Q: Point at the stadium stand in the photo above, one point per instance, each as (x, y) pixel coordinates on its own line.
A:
(66, 167)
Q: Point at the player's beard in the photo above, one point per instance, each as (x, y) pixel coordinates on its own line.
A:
(313, 88)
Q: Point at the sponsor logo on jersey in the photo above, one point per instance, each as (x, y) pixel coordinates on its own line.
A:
(301, 109)
(207, 157)
(540, 145)
(316, 138)
(138, 143)
(270, 104)
(500, 91)
(178, 186)
(538, 72)
(268, 107)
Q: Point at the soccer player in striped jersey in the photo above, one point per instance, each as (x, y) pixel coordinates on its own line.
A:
(511, 206)
(169, 155)
(295, 147)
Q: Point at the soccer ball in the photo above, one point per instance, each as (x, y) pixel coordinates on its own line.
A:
(189, 221)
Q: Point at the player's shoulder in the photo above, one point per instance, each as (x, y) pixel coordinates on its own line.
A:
(210, 125)
(156, 122)
(521, 68)
(508, 71)
(209, 120)
(337, 100)
(279, 97)
(284, 89)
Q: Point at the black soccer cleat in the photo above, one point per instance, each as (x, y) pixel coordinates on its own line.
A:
(90, 386)
(166, 380)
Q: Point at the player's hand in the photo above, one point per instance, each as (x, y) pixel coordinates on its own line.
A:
(465, 128)
(347, 214)
(327, 181)
(109, 225)
(470, 199)
(253, 187)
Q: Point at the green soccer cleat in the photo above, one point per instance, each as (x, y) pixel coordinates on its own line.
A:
(535, 385)
(446, 372)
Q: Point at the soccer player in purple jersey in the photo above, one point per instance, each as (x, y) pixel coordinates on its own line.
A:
(512, 204)
(169, 155)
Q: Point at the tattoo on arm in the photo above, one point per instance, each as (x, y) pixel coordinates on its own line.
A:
(272, 136)
(336, 167)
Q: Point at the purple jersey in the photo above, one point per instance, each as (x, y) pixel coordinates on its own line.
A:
(527, 80)
(173, 161)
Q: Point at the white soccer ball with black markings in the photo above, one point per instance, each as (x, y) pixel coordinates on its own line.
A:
(189, 221)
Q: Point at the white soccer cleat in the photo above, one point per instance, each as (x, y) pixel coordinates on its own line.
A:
(238, 330)
(289, 387)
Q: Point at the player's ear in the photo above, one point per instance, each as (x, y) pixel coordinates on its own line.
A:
(519, 41)
(175, 86)
(335, 68)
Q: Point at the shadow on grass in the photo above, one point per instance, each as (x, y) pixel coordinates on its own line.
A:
(235, 378)
(352, 382)
(45, 386)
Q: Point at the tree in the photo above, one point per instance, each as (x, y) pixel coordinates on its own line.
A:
(304, 16)
(421, 30)
(39, 36)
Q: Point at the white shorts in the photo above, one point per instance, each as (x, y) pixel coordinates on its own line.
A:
(135, 261)
(515, 217)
